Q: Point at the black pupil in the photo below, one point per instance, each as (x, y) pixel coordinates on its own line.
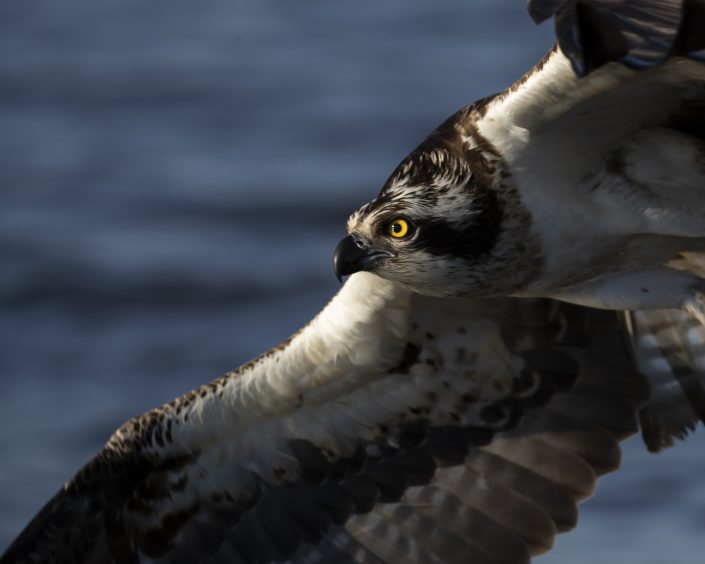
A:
(397, 227)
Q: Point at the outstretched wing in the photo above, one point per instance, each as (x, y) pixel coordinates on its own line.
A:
(392, 428)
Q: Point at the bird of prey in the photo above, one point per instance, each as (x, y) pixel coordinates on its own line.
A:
(525, 293)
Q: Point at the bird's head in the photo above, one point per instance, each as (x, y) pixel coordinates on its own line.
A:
(442, 225)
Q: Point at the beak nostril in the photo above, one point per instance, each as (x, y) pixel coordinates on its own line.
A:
(359, 243)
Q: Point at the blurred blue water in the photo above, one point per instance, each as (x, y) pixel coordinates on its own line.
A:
(173, 178)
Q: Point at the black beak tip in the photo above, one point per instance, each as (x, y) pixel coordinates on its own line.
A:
(346, 259)
(353, 255)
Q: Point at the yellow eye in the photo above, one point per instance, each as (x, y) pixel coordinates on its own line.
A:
(399, 228)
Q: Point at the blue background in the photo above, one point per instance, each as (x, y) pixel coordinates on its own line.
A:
(174, 176)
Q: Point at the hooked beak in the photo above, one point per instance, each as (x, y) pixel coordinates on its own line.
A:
(353, 255)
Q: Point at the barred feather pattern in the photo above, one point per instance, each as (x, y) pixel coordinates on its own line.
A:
(669, 347)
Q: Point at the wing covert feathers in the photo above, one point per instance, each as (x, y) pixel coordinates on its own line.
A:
(508, 499)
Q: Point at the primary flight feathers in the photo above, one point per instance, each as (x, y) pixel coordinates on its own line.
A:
(638, 34)
(400, 427)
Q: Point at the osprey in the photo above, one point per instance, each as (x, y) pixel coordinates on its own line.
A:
(580, 188)
(445, 406)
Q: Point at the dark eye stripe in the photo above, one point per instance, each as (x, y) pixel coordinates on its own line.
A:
(475, 236)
